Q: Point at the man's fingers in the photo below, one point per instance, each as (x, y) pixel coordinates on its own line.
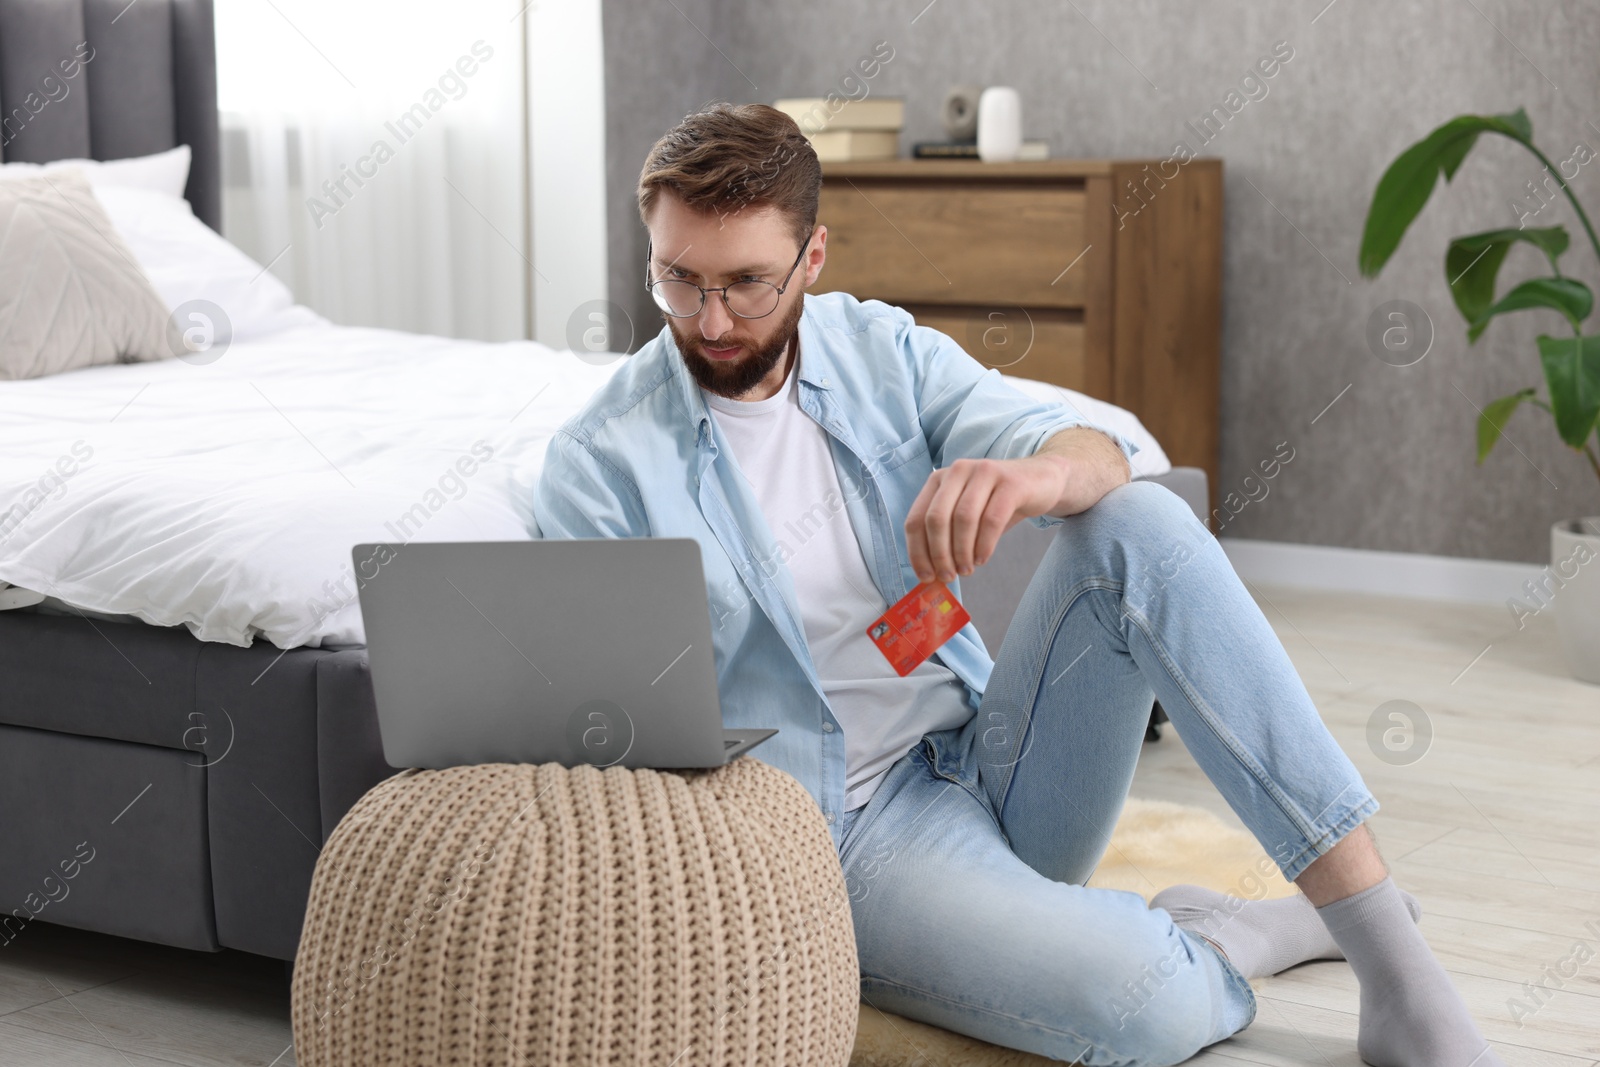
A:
(969, 515)
(936, 522)
(916, 528)
(1000, 517)
(953, 516)
(964, 509)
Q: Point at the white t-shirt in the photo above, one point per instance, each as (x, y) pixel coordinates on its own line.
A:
(784, 456)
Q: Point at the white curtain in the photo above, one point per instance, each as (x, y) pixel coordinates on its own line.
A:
(374, 154)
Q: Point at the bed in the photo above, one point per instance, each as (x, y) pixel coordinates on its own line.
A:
(185, 708)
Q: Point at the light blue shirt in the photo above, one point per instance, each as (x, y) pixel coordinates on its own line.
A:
(644, 458)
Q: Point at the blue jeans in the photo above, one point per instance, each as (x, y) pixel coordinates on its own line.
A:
(966, 869)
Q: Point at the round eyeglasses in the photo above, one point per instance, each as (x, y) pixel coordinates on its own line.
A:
(749, 299)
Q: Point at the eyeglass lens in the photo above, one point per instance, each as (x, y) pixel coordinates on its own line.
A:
(746, 299)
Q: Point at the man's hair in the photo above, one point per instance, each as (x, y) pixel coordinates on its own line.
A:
(728, 157)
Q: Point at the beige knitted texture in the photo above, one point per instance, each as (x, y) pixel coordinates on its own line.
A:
(538, 914)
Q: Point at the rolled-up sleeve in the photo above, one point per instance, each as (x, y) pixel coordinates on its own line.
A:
(968, 411)
(581, 495)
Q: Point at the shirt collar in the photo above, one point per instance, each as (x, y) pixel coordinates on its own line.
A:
(815, 369)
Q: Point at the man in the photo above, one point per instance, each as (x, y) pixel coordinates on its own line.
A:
(828, 454)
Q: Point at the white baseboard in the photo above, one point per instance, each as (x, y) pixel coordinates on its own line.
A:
(1359, 570)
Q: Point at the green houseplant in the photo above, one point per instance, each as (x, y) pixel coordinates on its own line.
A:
(1571, 365)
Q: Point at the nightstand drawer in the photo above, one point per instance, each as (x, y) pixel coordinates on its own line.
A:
(914, 242)
(1045, 344)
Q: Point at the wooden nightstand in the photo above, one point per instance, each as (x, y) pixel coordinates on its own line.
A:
(1104, 276)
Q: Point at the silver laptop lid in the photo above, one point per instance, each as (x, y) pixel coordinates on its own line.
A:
(589, 650)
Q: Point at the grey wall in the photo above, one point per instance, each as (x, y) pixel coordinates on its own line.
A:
(1391, 464)
(659, 68)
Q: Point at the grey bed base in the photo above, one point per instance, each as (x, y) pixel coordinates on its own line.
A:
(188, 786)
(200, 788)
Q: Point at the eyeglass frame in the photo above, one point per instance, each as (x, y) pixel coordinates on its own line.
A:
(649, 286)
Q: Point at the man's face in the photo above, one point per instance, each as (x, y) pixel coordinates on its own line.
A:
(728, 355)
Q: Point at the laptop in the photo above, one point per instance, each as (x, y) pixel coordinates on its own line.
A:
(589, 650)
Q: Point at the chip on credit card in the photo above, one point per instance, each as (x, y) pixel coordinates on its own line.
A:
(915, 627)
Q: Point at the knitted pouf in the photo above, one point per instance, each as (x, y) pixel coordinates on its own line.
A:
(538, 914)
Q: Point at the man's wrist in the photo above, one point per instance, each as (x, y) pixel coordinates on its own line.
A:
(1091, 464)
(1063, 464)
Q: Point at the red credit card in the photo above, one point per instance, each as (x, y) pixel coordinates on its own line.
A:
(913, 629)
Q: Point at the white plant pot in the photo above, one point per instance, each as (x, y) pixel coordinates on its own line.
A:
(1575, 593)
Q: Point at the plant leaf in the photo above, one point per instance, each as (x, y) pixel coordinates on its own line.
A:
(1567, 295)
(1405, 187)
(1472, 263)
(1519, 121)
(1572, 373)
(1494, 417)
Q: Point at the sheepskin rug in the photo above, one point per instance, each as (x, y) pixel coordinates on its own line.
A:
(1156, 844)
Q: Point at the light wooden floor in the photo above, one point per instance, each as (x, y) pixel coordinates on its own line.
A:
(1496, 829)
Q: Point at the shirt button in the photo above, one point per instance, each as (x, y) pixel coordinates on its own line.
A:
(827, 727)
(830, 817)
(824, 381)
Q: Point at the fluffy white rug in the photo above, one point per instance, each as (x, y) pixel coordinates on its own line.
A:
(1156, 844)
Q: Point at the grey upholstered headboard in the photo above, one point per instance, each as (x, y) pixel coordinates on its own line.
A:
(150, 84)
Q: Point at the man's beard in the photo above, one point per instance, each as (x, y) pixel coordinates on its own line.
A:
(735, 377)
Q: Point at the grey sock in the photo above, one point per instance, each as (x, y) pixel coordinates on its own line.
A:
(1259, 937)
(1411, 1015)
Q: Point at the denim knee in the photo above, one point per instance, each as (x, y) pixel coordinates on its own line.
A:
(1141, 534)
(1148, 1014)
(1142, 505)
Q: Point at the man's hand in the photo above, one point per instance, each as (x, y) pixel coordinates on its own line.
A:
(958, 518)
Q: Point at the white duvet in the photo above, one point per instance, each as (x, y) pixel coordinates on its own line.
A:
(225, 497)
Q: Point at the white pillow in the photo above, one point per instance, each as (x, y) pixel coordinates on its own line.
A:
(186, 260)
(71, 293)
(1149, 460)
(165, 172)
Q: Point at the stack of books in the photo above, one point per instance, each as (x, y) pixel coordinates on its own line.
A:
(849, 130)
(1030, 150)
